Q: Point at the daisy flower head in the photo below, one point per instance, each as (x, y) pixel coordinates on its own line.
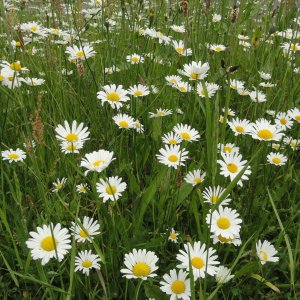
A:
(257, 96)
(236, 241)
(173, 79)
(135, 59)
(173, 236)
(195, 70)
(211, 195)
(277, 159)
(80, 53)
(236, 84)
(232, 164)
(97, 161)
(59, 184)
(160, 112)
(195, 177)
(82, 188)
(85, 261)
(265, 76)
(183, 87)
(76, 134)
(138, 126)
(49, 242)
(266, 252)
(283, 121)
(239, 126)
(176, 285)
(178, 28)
(171, 138)
(34, 28)
(217, 48)
(228, 148)
(290, 47)
(172, 156)
(113, 94)
(263, 130)
(223, 275)
(295, 114)
(181, 49)
(225, 222)
(34, 81)
(230, 112)
(211, 89)
(138, 90)
(267, 84)
(243, 91)
(111, 188)
(186, 132)
(124, 121)
(293, 143)
(140, 264)
(71, 147)
(202, 261)
(216, 18)
(13, 155)
(86, 232)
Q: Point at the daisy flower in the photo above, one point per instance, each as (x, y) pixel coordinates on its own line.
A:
(266, 252)
(236, 84)
(295, 114)
(49, 242)
(223, 275)
(236, 241)
(140, 264)
(82, 188)
(59, 184)
(85, 261)
(34, 81)
(283, 121)
(243, 92)
(134, 59)
(217, 48)
(243, 37)
(216, 18)
(186, 132)
(293, 143)
(139, 90)
(265, 76)
(111, 188)
(177, 286)
(183, 86)
(160, 112)
(228, 148)
(257, 96)
(124, 121)
(80, 53)
(171, 138)
(211, 89)
(113, 94)
(172, 156)
(277, 159)
(225, 222)
(195, 177)
(71, 147)
(178, 28)
(97, 161)
(173, 79)
(202, 261)
(72, 134)
(230, 112)
(13, 155)
(138, 126)
(34, 28)
(173, 236)
(232, 164)
(263, 130)
(290, 47)
(86, 232)
(212, 194)
(180, 48)
(267, 84)
(239, 126)
(195, 70)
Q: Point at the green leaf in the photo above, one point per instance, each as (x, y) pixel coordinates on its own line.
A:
(153, 291)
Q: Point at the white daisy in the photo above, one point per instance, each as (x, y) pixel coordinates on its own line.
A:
(13, 155)
(236, 241)
(195, 177)
(113, 94)
(59, 184)
(82, 188)
(87, 231)
(171, 138)
(257, 96)
(295, 114)
(173, 79)
(212, 195)
(178, 28)
(263, 130)
(239, 126)
(111, 188)
(71, 147)
(124, 121)
(217, 48)
(265, 76)
(293, 143)
(186, 132)
(266, 251)
(211, 89)
(283, 120)
(134, 59)
(85, 261)
(80, 53)
(138, 90)
(195, 70)
(160, 112)
(228, 148)
(223, 275)
(183, 86)
(173, 236)
(181, 49)
(172, 156)
(277, 159)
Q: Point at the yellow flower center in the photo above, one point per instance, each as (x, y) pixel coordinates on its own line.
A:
(178, 287)
(214, 198)
(233, 86)
(141, 269)
(197, 262)
(182, 88)
(97, 163)
(224, 240)
(72, 137)
(138, 93)
(33, 28)
(80, 54)
(13, 155)
(265, 134)
(195, 75)
(173, 158)
(82, 189)
(48, 243)
(10, 78)
(185, 136)
(71, 147)
(232, 168)
(123, 124)
(113, 96)
(227, 149)
(110, 190)
(276, 160)
(283, 121)
(172, 142)
(294, 47)
(16, 66)
(263, 255)
(173, 236)
(197, 180)
(18, 44)
(2, 77)
(173, 80)
(218, 49)
(223, 223)
(239, 129)
(58, 186)
(297, 118)
(179, 50)
(84, 233)
(135, 59)
(87, 264)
